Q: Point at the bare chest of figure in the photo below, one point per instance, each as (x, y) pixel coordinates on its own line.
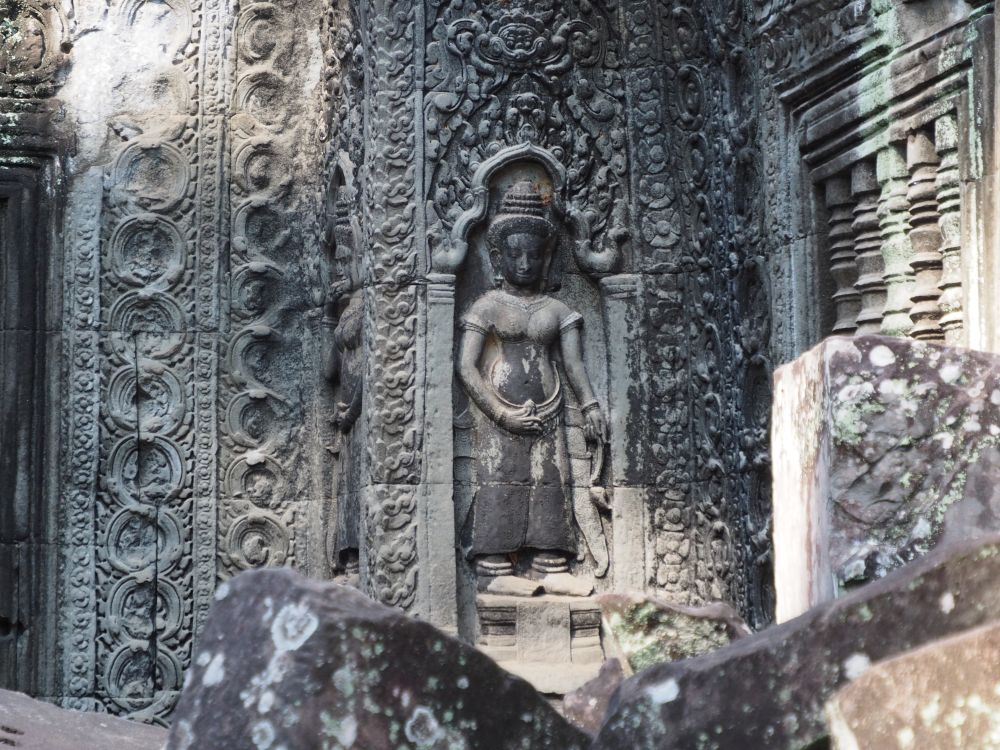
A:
(519, 356)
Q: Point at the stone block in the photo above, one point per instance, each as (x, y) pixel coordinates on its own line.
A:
(883, 448)
(553, 642)
(945, 695)
(646, 630)
(31, 724)
(586, 706)
(768, 690)
(320, 665)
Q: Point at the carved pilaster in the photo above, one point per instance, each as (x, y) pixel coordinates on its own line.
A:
(438, 550)
(925, 235)
(949, 199)
(894, 223)
(843, 268)
(622, 295)
(868, 247)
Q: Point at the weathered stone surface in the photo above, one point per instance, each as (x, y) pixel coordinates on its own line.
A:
(769, 689)
(884, 448)
(945, 696)
(587, 706)
(646, 630)
(289, 662)
(31, 724)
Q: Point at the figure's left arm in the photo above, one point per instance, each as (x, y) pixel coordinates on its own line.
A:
(571, 346)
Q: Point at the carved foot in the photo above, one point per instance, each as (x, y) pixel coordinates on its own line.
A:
(509, 586)
(567, 584)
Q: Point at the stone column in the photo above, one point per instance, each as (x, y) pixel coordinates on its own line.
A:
(925, 235)
(868, 247)
(949, 199)
(894, 223)
(843, 268)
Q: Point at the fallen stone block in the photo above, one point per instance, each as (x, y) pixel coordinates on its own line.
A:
(945, 696)
(646, 630)
(587, 706)
(287, 662)
(768, 690)
(883, 448)
(29, 724)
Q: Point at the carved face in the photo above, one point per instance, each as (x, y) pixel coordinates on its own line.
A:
(523, 259)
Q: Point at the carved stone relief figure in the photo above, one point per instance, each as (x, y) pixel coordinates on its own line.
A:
(518, 345)
(344, 369)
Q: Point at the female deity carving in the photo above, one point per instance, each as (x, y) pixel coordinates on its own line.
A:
(344, 369)
(513, 341)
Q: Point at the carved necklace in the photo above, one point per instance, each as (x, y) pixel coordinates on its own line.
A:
(512, 300)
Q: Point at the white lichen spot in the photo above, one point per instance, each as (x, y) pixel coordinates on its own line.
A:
(881, 356)
(222, 592)
(905, 738)
(946, 439)
(921, 529)
(947, 602)
(995, 397)
(423, 728)
(265, 702)
(203, 659)
(216, 671)
(856, 665)
(293, 626)
(950, 372)
(346, 733)
(262, 735)
(343, 680)
(463, 682)
(972, 425)
(931, 710)
(664, 692)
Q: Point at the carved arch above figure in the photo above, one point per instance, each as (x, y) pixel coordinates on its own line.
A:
(592, 261)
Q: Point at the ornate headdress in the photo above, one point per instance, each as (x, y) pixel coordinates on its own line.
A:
(522, 211)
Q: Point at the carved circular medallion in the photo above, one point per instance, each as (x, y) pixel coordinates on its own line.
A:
(158, 399)
(151, 174)
(139, 607)
(136, 540)
(261, 230)
(256, 541)
(264, 95)
(258, 479)
(252, 416)
(148, 471)
(137, 678)
(259, 32)
(255, 290)
(147, 248)
(261, 168)
(147, 311)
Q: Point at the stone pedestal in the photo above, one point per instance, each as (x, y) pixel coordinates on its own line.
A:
(553, 642)
(883, 448)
